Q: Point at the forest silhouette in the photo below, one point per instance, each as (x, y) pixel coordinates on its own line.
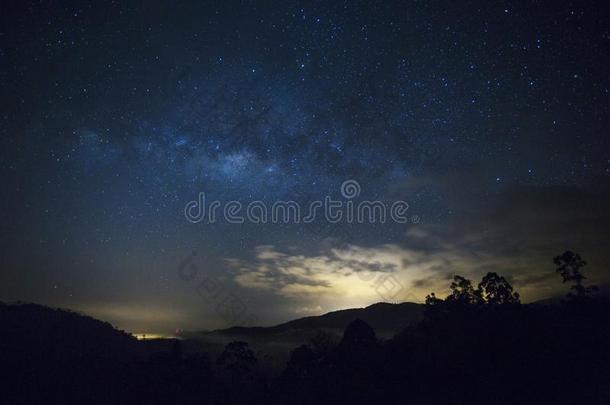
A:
(477, 345)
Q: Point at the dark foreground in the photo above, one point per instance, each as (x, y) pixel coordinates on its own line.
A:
(459, 353)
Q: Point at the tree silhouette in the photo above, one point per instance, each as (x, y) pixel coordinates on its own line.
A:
(322, 343)
(462, 292)
(432, 300)
(301, 363)
(495, 290)
(237, 359)
(569, 265)
(359, 334)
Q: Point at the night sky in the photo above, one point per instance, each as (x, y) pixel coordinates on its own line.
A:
(491, 119)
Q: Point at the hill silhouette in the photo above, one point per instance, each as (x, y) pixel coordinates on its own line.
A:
(273, 343)
(37, 328)
(385, 318)
(62, 356)
(478, 345)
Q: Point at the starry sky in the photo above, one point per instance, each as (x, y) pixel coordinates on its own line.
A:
(491, 119)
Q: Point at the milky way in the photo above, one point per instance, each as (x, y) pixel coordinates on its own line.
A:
(490, 120)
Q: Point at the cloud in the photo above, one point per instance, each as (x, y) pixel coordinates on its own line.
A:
(308, 311)
(515, 233)
(346, 276)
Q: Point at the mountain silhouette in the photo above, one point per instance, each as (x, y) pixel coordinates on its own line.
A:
(385, 318)
(37, 328)
(434, 352)
(276, 341)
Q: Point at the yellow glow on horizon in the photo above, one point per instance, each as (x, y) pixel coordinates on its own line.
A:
(149, 336)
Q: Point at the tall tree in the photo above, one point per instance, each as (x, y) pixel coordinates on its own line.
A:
(495, 290)
(237, 359)
(462, 292)
(569, 265)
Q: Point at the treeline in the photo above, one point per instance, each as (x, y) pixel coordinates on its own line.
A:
(478, 345)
